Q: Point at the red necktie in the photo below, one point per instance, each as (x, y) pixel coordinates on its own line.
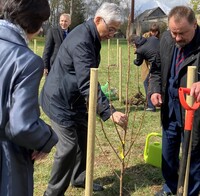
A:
(179, 59)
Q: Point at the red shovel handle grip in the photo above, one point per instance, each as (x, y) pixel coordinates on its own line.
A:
(190, 109)
(182, 92)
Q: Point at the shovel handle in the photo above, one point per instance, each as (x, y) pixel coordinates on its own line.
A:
(190, 109)
(182, 92)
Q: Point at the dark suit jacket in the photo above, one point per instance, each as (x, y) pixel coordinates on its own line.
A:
(160, 73)
(147, 50)
(64, 97)
(54, 39)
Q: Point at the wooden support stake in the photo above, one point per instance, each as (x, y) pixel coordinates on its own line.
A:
(35, 46)
(191, 78)
(120, 75)
(91, 131)
(117, 52)
(108, 52)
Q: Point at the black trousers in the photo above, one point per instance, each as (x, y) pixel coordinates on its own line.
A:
(171, 140)
(70, 158)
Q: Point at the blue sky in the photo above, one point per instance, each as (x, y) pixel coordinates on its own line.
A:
(166, 5)
(169, 3)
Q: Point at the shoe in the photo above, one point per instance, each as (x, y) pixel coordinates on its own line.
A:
(150, 109)
(45, 194)
(163, 193)
(96, 187)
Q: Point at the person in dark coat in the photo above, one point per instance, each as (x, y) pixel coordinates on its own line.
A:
(179, 49)
(146, 50)
(65, 94)
(54, 39)
(24, 137)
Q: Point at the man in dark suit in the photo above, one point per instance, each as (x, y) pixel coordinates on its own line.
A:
(65, 94)
(54, 39)
(179, 49)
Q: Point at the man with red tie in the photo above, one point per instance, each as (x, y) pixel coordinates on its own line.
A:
(179, 48)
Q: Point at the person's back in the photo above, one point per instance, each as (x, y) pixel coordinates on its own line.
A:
(64, 72)
(147, 51)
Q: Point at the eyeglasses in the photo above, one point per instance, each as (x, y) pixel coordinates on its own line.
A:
(110, 29)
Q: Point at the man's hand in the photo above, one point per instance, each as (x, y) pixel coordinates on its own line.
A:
(156, 99)
(119, 118)
(46, 72)
(195, 91)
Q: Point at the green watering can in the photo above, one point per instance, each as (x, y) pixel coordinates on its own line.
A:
(153, 150)
(110, 94)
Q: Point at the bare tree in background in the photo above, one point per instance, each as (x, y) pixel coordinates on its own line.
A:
(2, 2)
(71, 7)
(195, 4)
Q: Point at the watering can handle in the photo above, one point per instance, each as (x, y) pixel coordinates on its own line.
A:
(147, 143)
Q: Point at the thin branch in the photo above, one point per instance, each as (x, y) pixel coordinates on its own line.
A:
(139, 129)
(107, 158)
(109, 141)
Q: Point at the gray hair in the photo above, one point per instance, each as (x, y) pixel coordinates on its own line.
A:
(67, 15)
(110, 12)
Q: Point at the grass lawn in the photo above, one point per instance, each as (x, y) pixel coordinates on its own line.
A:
(140, 179)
